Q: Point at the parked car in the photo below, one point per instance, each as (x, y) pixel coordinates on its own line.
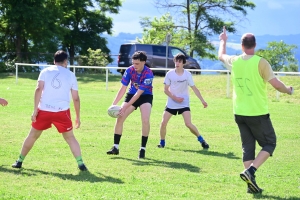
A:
(156, 57)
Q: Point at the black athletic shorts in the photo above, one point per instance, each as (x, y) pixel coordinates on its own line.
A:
(178, 111)
(146, 98)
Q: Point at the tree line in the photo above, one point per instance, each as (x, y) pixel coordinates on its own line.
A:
(32, 30)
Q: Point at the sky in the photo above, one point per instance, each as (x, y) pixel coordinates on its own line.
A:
(270, 17)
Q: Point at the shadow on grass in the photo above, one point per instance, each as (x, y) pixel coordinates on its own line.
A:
(262, 196)
(85, 176)
(229, 155)
(159, 163)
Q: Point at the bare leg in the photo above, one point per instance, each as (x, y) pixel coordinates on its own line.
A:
(163, 126)
(73, 143)
(145, 110)
(30, 140)
(120, 120)
(188, 122)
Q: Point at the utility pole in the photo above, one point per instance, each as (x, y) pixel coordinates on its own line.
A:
(168, 40)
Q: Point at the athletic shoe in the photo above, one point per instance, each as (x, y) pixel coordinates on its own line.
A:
(250, 180)
(204, 145)
(113, 151)
(17, 164)
(160, 146)
(82, 167)
(251, 192)
(142, 154)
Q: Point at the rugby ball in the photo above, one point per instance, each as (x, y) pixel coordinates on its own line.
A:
(113, 111)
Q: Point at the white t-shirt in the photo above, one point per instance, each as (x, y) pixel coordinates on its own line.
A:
(179, 88)
(58, 82)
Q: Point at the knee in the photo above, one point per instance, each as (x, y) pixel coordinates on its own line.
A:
(188, 124)
(270, 148)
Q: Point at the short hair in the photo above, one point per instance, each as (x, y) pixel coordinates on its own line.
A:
(180, 57)
(60, 56)
(139, 55)
(248, 41)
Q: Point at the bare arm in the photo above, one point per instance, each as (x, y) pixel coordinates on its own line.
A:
(198, 94)
(37, 97)
(76, 101)
(222, 47)
(119, 95)
(280, 86)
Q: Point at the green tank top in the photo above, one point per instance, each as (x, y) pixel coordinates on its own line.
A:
(249, 88)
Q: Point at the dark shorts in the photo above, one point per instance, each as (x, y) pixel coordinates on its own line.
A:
(256, 128)
(178, 111)
(61, 120)
(146, 98)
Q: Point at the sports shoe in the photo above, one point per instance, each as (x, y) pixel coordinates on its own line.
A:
(82, 167)
(250, 180)
(17, 164)
(204, 145)
(142, 154)
(113, 151)
(160, 146)
(251, 192)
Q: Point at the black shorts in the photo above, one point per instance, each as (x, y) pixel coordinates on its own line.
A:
(256, 128)
(146, 98)
(178, 111)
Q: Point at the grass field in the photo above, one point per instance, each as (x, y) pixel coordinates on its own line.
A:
(182, 170)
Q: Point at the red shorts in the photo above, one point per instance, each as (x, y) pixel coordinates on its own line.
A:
(61, 120)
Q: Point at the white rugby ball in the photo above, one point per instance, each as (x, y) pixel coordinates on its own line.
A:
(113, 111)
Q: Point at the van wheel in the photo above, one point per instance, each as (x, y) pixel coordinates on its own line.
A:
(193, 72)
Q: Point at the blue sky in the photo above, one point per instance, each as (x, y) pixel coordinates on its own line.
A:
(273, 17)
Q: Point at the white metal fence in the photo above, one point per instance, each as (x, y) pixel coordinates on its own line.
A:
(162, 69)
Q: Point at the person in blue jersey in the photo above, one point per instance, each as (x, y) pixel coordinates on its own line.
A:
(139, 79)
(250, 75)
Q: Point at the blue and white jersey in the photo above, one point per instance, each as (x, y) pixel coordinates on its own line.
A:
(142, 81)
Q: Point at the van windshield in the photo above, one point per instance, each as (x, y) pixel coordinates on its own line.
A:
(125, 50)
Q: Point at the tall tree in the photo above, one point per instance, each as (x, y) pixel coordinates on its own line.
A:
(196, 20)
(83, 22)
(280, 55)
(23, 24)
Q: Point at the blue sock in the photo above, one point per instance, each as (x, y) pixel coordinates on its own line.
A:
(162, 143)
(200, 139)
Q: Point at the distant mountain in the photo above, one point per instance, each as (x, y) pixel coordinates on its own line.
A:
(233, 45)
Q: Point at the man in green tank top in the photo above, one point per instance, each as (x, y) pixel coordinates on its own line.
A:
(249, 76)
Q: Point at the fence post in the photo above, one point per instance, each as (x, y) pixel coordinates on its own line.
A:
(228, 84)
(106, 78)
(16, 73)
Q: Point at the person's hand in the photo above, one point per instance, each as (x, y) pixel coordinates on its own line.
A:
(204, 104)
(223, 35)
(178, 99)
(122, 110)
(77, 123)
(3, 102)
(33, 116)
(291, 90)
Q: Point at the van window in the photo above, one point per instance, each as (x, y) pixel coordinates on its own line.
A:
(159, 51)
(125, 50)
(175, 51)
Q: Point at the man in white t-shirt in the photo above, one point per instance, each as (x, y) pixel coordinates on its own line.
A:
(176, 88)
(52, 106)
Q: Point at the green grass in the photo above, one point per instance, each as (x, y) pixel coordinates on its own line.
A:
(182, 170)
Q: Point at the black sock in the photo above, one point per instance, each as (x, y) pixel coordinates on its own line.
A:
(117, 139)
(144, 141)
(252, 170)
